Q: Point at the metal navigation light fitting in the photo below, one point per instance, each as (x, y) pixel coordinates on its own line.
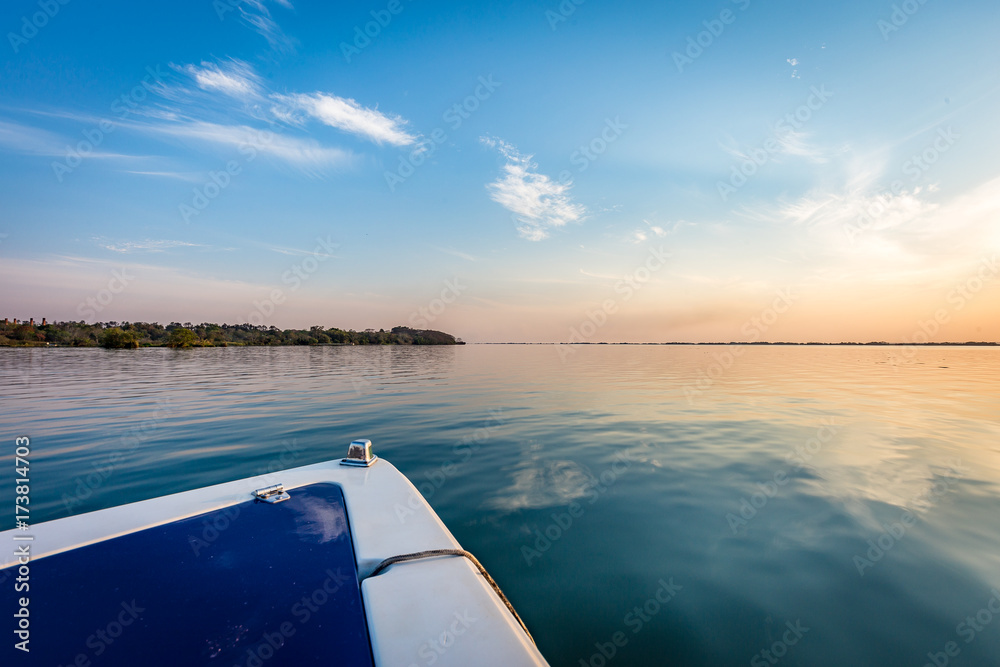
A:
(359, 454)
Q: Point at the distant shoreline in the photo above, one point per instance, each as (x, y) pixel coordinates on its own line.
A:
(133, 335)
(42, 345)
(875, 344)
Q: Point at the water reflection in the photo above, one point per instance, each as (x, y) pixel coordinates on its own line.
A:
(523, 434)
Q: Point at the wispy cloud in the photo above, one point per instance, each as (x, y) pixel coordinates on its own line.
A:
(866, 234)
(797, 144)
(789, 142)
(149, 245)
(601, 276)
(25, 139)
(298, 252)
(823, 208)
(237, 80)
(160, 293)
(347, 115)
(232, 77)
(223, 102)
(537, 202)
(457, 253)
(255, 14)
(307, 154)
(179, 175)
(641, 235)
(33, 141)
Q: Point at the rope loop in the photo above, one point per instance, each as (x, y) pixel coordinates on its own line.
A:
(431, 553)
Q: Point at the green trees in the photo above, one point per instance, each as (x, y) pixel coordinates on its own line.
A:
(425, 336)
(181, 337)
(130, 335)
(117, 339)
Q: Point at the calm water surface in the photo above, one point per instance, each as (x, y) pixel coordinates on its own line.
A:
(852, 494)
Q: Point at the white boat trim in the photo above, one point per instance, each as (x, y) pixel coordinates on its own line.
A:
(431, 611)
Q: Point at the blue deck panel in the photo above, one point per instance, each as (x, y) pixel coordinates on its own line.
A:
(251, 585)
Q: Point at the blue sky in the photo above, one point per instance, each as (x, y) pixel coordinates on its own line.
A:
(549, 171)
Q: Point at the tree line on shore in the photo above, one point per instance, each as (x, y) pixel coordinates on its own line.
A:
(126, 335)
